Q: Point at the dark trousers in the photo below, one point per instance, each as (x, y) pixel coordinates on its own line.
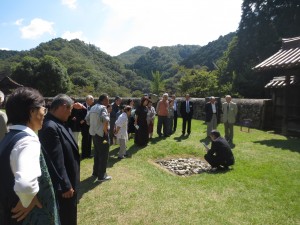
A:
(112, 126)
(170, 125)
(162, 122)
(188, 121)
(86, 142)
(67, 209)
(175, 121)
(101, 145)
(216, 161)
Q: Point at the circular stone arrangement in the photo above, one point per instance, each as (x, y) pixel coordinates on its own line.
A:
(185, 166)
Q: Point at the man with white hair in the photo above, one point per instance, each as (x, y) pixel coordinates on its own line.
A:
(229, 110)
(3, 119)
(162, 112)
(212, 115)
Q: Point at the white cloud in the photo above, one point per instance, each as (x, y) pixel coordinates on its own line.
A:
(37, 28)
(6, 49)
(74, 35)
(72, 4)
(19, 22)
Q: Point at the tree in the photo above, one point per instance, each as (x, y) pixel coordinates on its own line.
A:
(25, 72)
(52, 77)
(157, 85)
(199, 82)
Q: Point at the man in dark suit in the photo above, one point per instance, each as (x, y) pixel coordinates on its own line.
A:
(58, 141)
(86, 141)
(212, 115)
(186, 111)
(219, 155)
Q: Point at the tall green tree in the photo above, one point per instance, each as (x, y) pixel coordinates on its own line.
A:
(25, 72)
(198, 82)
(52, 77)
(157, 84)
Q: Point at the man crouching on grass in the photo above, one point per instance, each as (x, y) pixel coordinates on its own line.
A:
(219, 156)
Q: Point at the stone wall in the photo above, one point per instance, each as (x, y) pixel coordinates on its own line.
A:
(258, 110)
(254, 109)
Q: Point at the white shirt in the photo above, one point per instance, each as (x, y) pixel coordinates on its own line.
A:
(214, 108)
(95, 119)
(122, 122)
(25, 165)
(175, 105)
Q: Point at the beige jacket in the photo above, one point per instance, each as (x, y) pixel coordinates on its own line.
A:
(229, 115)
(3, 127)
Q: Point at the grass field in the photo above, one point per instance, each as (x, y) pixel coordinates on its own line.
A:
(262, 188)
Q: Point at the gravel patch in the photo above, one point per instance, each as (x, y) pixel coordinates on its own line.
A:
(185, 166)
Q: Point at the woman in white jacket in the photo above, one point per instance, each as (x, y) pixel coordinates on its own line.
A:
(121, 131)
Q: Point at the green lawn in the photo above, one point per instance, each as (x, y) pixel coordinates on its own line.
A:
(262, 188)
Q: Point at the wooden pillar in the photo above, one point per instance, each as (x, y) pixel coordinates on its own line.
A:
(285, 105)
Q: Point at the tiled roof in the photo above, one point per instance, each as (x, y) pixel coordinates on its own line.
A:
(287, 57)
(279, 82)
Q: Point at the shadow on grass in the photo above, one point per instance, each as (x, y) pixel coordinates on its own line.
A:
(155, 140)
(113, 154)
(291, 144)
(220, 171)
(87, 185)
(181, 138)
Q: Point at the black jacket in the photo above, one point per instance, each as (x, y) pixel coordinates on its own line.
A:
(183, 112)
(221, 149)
(58, 141)
(209, 112)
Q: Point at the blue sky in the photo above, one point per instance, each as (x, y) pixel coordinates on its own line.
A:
(115, 26)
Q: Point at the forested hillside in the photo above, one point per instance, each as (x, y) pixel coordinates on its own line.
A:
(85, 68)
(132, 55)
(209, 54)
(223, 66)
(162, 59)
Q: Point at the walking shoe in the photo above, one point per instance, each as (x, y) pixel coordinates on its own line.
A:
(107, 178)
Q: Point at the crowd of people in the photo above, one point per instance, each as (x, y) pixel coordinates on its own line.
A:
(45, 190)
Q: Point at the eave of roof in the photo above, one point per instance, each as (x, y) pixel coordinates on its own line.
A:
(280, 82)
(286, 58)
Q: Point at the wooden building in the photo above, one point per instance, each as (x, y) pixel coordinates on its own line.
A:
(285, 88)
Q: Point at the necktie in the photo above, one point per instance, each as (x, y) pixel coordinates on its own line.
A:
(187, 107)
(227, 107)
